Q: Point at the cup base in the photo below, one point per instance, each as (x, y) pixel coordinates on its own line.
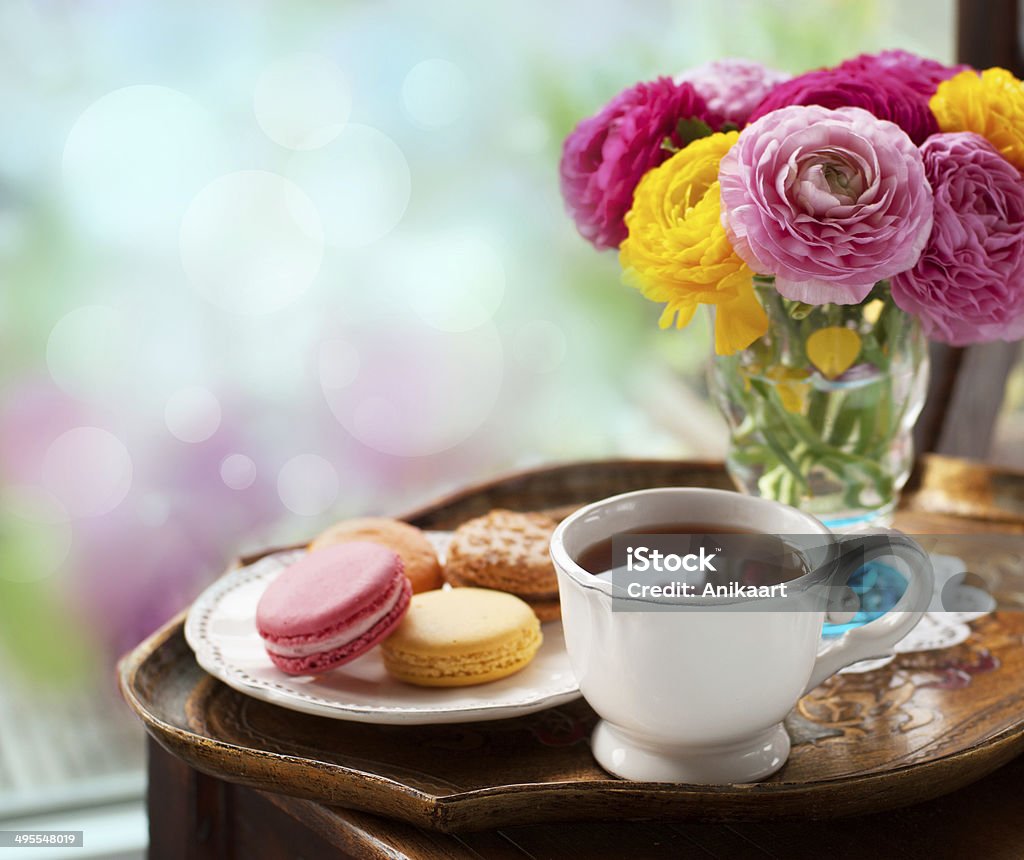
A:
(748, 760)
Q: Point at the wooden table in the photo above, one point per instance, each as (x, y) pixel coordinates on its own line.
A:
(193, 815)
(196, 817)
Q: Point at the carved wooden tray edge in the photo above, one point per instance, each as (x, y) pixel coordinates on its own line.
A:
(508, 805)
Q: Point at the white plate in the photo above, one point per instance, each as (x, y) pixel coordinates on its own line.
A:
(221, 629)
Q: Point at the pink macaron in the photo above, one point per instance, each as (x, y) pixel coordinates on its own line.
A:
(332, 606)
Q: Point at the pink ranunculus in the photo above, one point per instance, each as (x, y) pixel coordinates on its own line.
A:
(919, 73)
(606, 154)
(968, 286)
(884, 97)
(733, 87)
(827, 201)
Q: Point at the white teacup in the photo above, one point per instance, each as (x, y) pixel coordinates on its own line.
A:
(699, 696)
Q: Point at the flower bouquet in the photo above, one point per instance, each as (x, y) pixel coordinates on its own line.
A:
(830, 222)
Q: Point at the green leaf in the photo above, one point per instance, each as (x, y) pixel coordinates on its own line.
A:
(729, 126)
(668, 146)
(692, 129)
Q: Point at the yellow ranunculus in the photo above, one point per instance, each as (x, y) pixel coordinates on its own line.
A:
(991, 105)
(677, 251)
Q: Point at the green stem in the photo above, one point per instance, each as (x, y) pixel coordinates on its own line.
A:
(817, 411)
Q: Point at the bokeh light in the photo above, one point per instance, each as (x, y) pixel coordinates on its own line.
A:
(32, 415)
(453, 281)
(238, 471)
(435, 92)
(88, 350)
(251, 242)
(360, 184)
(307, 485)
(419, 391)
(539, 346)
(132, 161)
(153, 510)
(339, 364)
(88, 470)
(192, 414)
(302, 101)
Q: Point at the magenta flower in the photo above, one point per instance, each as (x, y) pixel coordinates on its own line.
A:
(968, 286)
(919, 73)
(827, 201)
(605, 155)
(733, 87)
(885, 97)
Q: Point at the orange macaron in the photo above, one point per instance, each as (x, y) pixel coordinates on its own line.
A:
(412, 545)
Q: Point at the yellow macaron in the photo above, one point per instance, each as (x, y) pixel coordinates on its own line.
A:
(462, 636)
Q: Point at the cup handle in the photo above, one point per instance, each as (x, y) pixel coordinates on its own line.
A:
(876, 638)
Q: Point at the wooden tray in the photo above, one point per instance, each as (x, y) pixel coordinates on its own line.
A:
(924, 725)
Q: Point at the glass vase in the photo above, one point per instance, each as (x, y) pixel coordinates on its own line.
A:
(821, 409)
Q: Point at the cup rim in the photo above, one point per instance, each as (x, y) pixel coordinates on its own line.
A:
(565, 563)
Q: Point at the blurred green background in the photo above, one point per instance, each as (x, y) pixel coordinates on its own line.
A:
(267, 265)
